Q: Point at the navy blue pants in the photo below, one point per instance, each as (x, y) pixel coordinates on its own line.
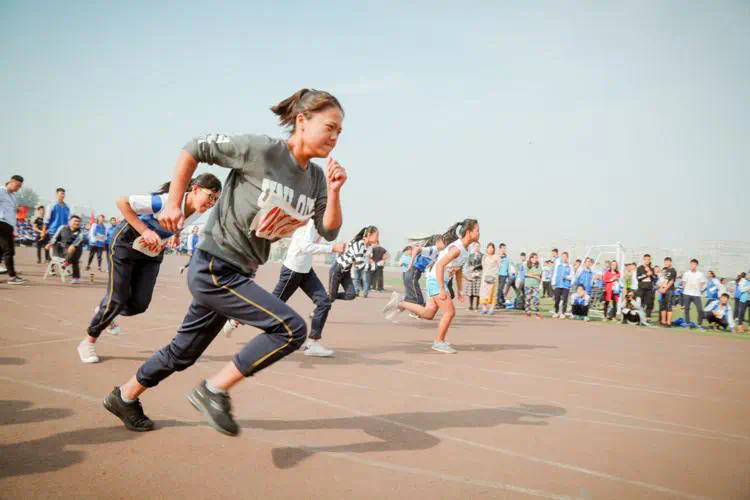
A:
(132, 278)
(338, 277)
(413, 288)
(220, 292)
(290, 281)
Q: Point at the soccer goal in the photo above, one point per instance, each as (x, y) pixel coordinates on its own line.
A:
(599, 254)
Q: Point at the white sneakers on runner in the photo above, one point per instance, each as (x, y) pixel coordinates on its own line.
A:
(87, 352)
(392, 308)
(443, 347)
(229, 327)
(314, 348)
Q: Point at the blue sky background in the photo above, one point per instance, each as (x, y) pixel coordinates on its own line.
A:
(514, 113)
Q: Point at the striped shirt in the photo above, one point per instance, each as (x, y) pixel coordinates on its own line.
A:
(353, 254)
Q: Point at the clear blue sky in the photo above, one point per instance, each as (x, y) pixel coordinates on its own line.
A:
(503, 111)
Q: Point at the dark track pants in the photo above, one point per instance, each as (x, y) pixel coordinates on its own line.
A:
(132, 277)
(220, 292)
(338, 277)
(290, 281)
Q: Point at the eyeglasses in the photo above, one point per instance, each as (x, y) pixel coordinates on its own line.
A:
(212, 197)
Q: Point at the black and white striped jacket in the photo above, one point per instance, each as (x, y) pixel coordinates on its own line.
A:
(353, 254)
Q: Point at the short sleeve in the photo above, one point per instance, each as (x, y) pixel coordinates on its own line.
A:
(218, 149)
(148, 204)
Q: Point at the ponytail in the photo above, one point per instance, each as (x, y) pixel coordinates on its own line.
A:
(459, 230)
(208, 181)
(364, 232)
(305, 101)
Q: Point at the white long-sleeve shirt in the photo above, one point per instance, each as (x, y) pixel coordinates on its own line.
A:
(305, 243)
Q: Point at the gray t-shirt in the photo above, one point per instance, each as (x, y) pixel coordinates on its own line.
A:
(266, 197)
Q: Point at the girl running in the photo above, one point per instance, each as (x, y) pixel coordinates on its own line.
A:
(271, 190)
(340, 273)
(459, 236)
(132, 273)
(422, 257)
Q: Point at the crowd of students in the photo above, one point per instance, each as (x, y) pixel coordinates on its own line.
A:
(630, 295)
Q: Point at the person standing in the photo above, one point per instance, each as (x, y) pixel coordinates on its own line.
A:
(379, 257)
(97, 240)
(646, 277)
(502, 276)
(546, 279)
(488, 287)
(57, 214)
(8, 226)
(694, 281)
(520, 302)
(473, 276)
(532, 282)
(562, 278)
(667, 290)
(42, 237)
(612, 287)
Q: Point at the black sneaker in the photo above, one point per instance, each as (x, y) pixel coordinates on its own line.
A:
(215, 408)
(131, 414)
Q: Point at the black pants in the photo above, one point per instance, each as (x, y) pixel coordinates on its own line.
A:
(500, 302)
(220, 292)
(717, 321)
(691, 299)
(40, 246)
(613, 311)
(132, 277)
(7, 247)
(94, 250)
(546, 289)
(74, 258)
(338, 277)
(521, 297)
(376, 279)
(449, 287)
(631, 317)
(579, 310)
(561, 294)
(647, 299)
(288, 283)
(743, 306)
(413, 288)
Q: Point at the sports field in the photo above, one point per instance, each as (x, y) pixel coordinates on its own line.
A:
(526, 409)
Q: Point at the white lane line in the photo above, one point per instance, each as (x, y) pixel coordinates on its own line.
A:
(341, 455)
(503, 451)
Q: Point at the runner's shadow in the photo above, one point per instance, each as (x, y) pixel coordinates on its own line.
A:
(51, 453)
(12, 361)
(19, 412)
(400, 431)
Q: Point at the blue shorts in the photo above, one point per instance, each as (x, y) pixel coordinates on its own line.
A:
(433, 288)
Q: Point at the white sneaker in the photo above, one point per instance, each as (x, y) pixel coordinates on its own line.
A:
(3, 269)
(391, 308)
(75, 281)
(443, 347)
(16, 281)
(554, 315)
(414, 316)
(87, 352)
(317, 349)
(229, 327)
(586, 318)
(113, 328)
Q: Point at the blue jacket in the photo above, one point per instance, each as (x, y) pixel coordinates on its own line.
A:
(95, 232)
(503, 269)
(56, 216)
(522, 272)
(585, 278)
(564, 275)
(111, 234)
